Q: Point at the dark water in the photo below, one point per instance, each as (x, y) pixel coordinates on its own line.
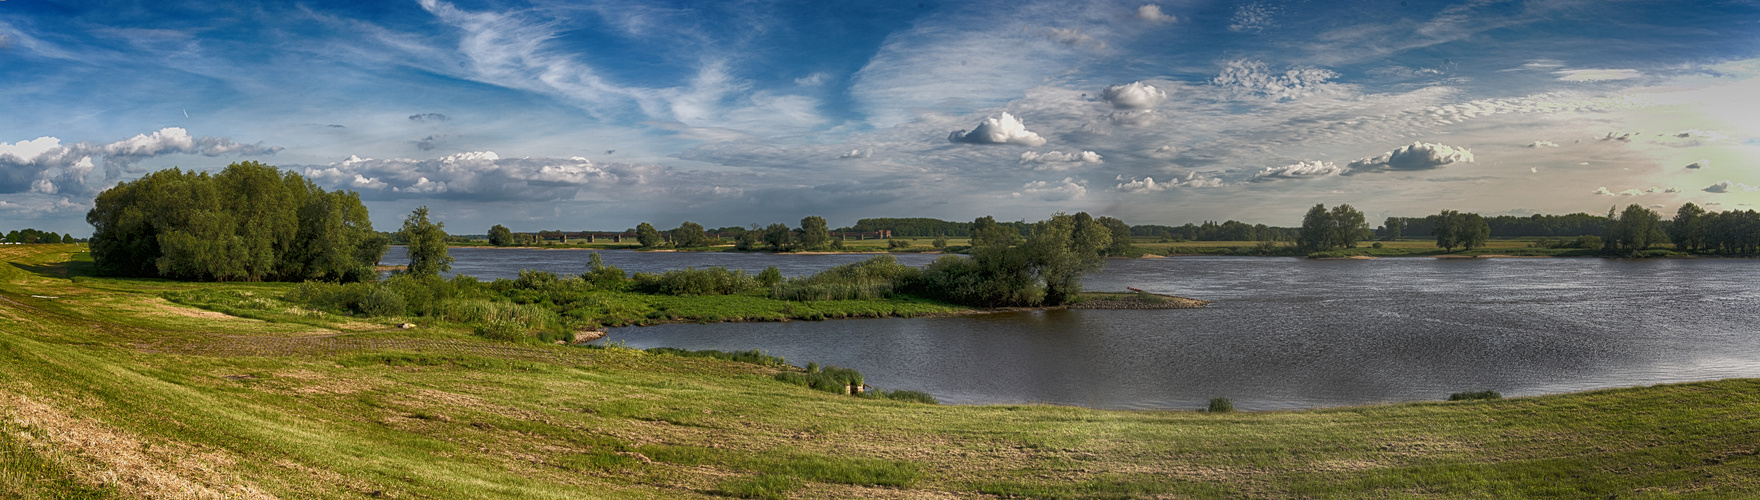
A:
(1283, 333)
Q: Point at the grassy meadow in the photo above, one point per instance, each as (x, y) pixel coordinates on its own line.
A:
(109, 390)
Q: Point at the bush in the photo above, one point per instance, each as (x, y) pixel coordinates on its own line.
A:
(939, 243)
(692, 281)
(770, 276)
(1376, 245)
(1475, 395)
(382, 302)
(1220, 405)
(502, 330)
(911, 396)
(897, 244)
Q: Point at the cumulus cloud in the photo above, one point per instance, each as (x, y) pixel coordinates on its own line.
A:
(44, 165)
(1299, 170)
(1243, 78)
(1621, 136)
(1152, 13)
(1725, 186)
(1417, 156)
(38, 206)
(856, 153)
(1058, 160)
(1149, 185)
(1134, 95)
(1005, 129)
(1699, 164)
(1542, 144)
(1067, 189)
(428, 117)
(1596, 75)
(481, 175)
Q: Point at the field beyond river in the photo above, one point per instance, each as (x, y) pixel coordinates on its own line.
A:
(108, 390)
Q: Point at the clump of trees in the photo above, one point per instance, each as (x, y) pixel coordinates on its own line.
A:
(29, 235)
(250, 222)
(1454, 229)
(1326, 230)
(501, 236)
(1213, 231)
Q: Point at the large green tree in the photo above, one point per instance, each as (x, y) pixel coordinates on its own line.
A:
(1395, 228)
(1688, 230)
(1635, 228)
(427, 244)
(1121, 236)
(250, 222)
(500, 235)
(1349, 226)
(689, 234)
(814, 233)
(778, 237)
(647, 236)
(1471, 231)
(1445, 226)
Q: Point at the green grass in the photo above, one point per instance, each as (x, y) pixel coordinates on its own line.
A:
(128, 400)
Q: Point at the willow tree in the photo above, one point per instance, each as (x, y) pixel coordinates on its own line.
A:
(427, 244)
(250, 222)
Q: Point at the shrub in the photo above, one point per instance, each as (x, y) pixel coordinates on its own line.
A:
(502, 330)
(911, 396)
(939, 243)
(382, 302)
(1220, 405)
(692, 281)
(897, 244)
(602, 275)
(1474, 395)
(1376, 245)
(770, 276)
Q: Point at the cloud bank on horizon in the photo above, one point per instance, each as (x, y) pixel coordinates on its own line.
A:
(725, 114)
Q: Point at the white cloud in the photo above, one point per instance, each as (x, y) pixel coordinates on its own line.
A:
(1300, 170)
(1253, 17)
(1596, 75)
(1699, 164)
(1149, 185)
(1067, 189)
(1152, 13)
(857, 153)
(1604, 191)
(1146, 185)
(1244, 78)
(1417, 156)
(30, 206)
(813, 80)
(1134, 95)
(1725, 186)
(480, 175)
(1057, 160)
(1542, 144)
(999, 130)
(45, 165)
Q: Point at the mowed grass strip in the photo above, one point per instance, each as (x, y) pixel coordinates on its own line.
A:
(621, 423)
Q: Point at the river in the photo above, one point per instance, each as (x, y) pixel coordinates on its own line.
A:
(1284, 333)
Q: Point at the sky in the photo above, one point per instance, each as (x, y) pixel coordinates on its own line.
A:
(601, 115)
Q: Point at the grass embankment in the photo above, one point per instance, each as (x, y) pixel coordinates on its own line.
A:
(109, 391)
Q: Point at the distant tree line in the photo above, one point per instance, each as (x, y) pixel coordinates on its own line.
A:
(1502, 226)
(29, 235)
(1212, 231)
(250, 222)
(925, 228)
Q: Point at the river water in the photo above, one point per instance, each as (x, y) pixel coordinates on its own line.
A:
(1284, 333)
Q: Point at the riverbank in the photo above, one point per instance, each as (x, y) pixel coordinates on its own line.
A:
(108, 395)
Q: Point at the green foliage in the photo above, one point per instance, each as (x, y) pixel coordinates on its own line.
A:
(1121, 236)
(1635, 229)
(250, 222)
(689, 234)
(1474, 395)
(830, 379)
(500, 236)
(753, 356)
(1220, 405)
(814, 233)
(897, 244)
(500, 329)
(909, 396)
(427, 244)
(1376, 245)
(647, 235)
(778, 238)
(692, 281)
(31, 235)
(1323, 230)
(1454, 229)
(769, 277)
(939, 243)
(602, 275)
(382, 302)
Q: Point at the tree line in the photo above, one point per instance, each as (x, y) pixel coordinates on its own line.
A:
(250, 222)
(1231, 230)
(31, 235)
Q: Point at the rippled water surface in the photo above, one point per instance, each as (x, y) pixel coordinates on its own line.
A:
(1283, 333)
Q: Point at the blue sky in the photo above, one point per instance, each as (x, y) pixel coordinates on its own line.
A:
(599, 115)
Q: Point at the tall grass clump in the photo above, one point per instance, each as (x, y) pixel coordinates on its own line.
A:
(909, 396)
(830, 378)
(753, 356)
(1474, 395)
(691, 281)
(1220, 405)
(875, 278)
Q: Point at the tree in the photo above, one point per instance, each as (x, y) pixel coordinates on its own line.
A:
(778, 237)
(500, 236)
(647, 235)
(1121, 236)
(1688, 228)
(1064, 248)
(1317, 230)
(1395, 227)
(987, 233)
(1470, 231)
(1348, 226)
(814, 233)
(689, 234)
(1636, 228)
(1444, 226)
(427, 244)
